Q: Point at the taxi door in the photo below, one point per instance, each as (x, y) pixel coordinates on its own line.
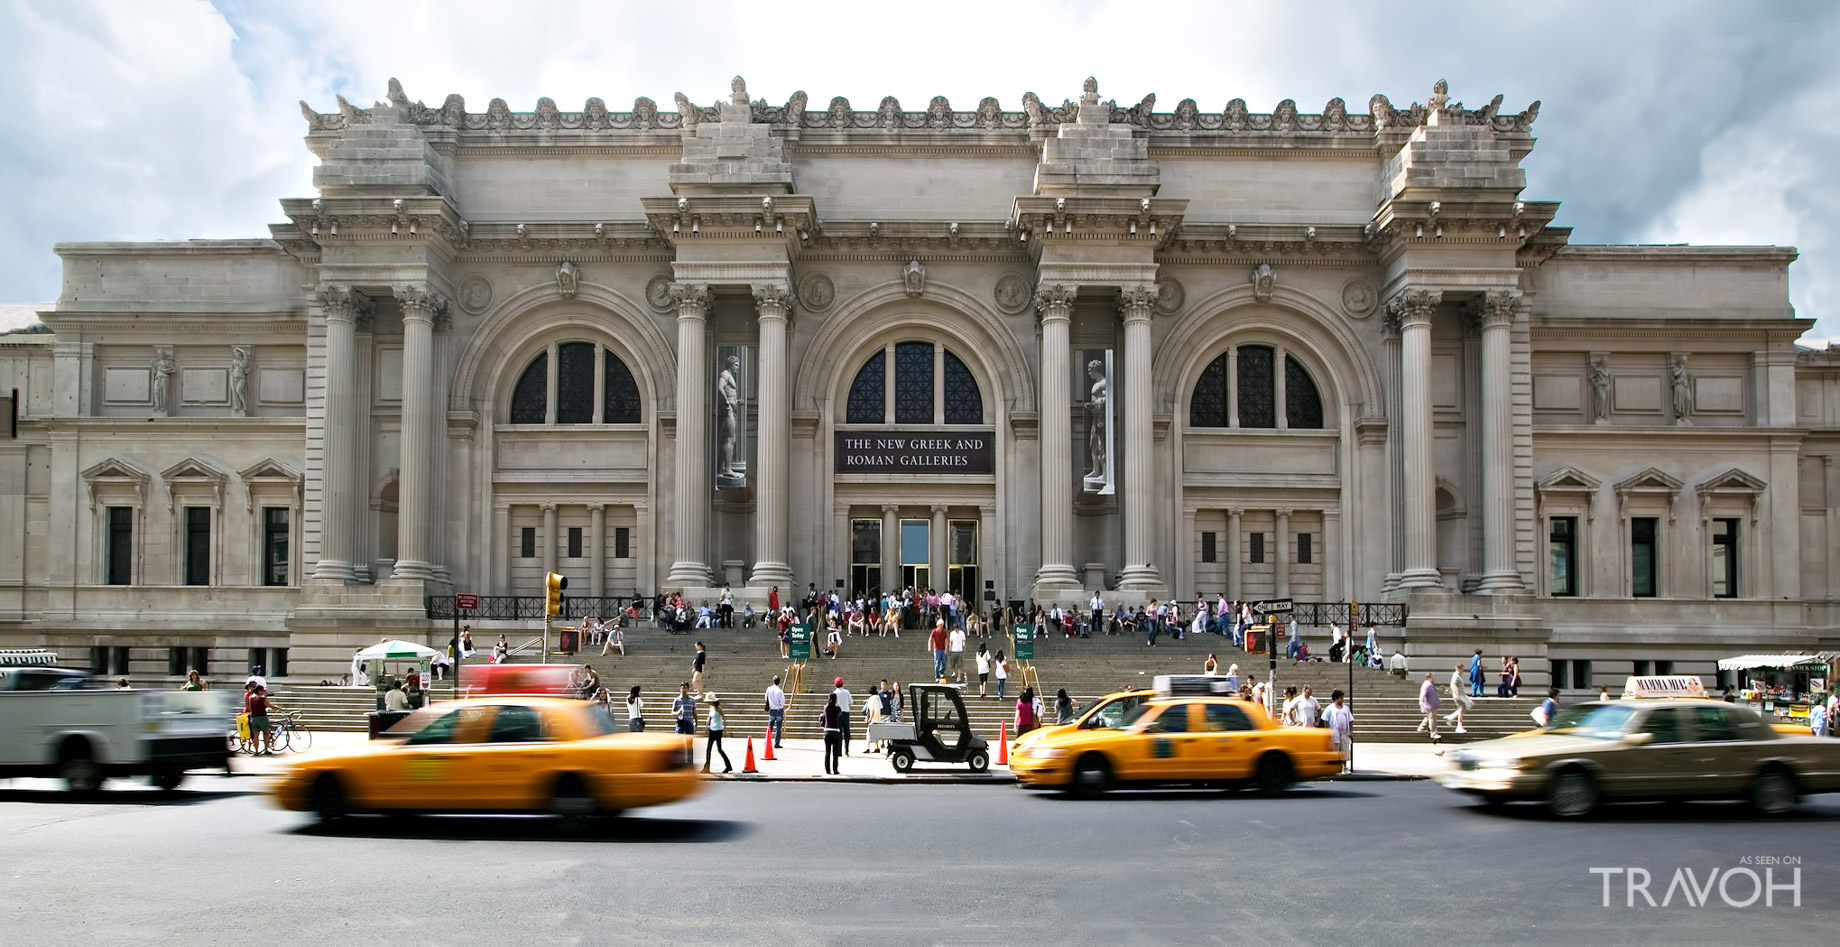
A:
(1722, 755)
(430, 771)
(1231, 740)
(1660, 767)
(1170, 746)
(513, 766)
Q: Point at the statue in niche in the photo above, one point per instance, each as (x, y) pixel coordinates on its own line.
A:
(1600, 391)
(239, 380)
(1098, 405)
(913, 279)
(1683, 390)
(728, 407)
(163, 369)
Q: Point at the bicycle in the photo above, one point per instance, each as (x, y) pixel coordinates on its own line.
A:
(287, 734)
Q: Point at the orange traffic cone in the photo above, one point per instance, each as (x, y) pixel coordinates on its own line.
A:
(1003, 744)
(748, 766)
(766, 746)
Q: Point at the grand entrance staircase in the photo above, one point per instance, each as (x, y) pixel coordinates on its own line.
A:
(742, 661)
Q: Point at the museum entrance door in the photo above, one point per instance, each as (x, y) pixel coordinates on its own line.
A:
(916, 554)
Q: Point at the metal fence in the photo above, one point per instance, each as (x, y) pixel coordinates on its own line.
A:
(1368, 613)
(519, 607)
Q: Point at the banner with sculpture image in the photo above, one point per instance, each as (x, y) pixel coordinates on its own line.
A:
(734, 377)
(1093, 384)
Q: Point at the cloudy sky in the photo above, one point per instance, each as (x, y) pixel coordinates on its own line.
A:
(1671, 122)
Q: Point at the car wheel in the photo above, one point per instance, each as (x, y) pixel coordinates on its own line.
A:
(168, 778)
(81, 774)
(903, 760)
(979, 760)
(1092, 775)
(1773, 792)
(328, 799)
(1573, 793)
(1274, 774)
(572, 803)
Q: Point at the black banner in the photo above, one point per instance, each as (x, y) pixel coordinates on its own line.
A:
(920, 452)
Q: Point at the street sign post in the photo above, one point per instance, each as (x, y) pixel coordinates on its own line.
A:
(463, 602)
(1272, 605)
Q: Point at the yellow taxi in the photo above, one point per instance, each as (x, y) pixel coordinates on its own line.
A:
(496, 754)
(1101, 713)
(1178, 739)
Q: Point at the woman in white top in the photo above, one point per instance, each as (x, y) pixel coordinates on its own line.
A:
(1340, 721)
(872, 713)
(983, 666)
(1002, 669)
(635, 712)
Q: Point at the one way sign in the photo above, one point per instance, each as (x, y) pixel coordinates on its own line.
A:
(1270, 606)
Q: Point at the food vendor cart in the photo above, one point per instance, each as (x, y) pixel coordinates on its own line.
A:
(1782, 685)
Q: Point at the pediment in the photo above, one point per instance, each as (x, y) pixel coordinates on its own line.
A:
(192, 469)
(269, 469)
(117, 470)
(1732, 481)
(1651, 480)
(1568, 480)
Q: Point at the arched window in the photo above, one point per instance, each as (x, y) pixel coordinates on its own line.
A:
(1239, 388)
(916, 366)
(577, 385)
(530, 399)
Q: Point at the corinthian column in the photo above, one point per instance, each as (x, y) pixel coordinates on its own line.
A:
(692, 474)
(1055, 303)
(415, 461)
(338, 510)
(1495, 313)
(773, 302)
(1134, 303)
(1413, 308)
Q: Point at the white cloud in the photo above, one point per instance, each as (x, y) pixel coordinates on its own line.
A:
(174, 119)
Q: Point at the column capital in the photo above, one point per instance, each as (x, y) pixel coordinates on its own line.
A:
(596, 507)
(1234, 512)
(1494, 308)
(1410, 307)
(773, 299)
(890, 509)
(341, 303)
(1282, 514)
(549, 508)
(692, 300)
(1055, 300)
(1136, 301)
(939, 509)
(419, 303)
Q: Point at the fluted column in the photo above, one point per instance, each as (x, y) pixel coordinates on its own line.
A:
(1395, 449)
(1495, 313)
(773, 302)
(339, 498)
(1414, 308)
(1233, 554)
(1135, 304)
(1281, 552)
(416, 445)
(597, 550)
(692, 475)
(1055, 303)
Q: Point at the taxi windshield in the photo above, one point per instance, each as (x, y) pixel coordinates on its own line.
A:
(1600, 721)
(1131, 717)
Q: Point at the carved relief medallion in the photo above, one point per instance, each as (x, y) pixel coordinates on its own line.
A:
(1359, 297)
(475, 293)
(1169, 295)
(658, 293)
(1013, 293)
(816, 293)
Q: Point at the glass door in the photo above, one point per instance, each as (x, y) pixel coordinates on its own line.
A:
(865, 557)
(962, 560)
(916, 553)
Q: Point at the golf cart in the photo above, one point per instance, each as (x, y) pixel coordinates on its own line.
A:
(940, 731)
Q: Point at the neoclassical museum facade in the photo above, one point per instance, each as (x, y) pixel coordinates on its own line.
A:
(1017, 354)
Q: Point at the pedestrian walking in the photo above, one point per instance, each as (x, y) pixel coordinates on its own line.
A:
(1308, 711)
(1340, 721)
(683, 711)
(1548, 709)
(1475, 674)
(1232, 678)
(1428, 703)
(1025, 719)
(776, 713)
(1458, 700)
(1002, 671)
(936, 641)
(831, 722)
(635, 711)
(697, 663)
(1063, 707)
(983, 666)
(842, 694)
(955, 654)
(717, 725)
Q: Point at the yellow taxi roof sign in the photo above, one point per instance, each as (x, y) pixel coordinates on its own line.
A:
(1672, 685)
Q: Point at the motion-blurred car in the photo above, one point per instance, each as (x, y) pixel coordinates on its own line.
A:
(1209, 740)
(1099, 714)
(1644, 749)
(569, 758)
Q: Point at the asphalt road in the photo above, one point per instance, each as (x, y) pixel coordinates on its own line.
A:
(1357, 863)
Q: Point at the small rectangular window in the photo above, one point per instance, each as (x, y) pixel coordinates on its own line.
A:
(1303, 549)
(1664, 668)
(118, 661)
(1257, 553)
(527, 542)
(1640, 668)
(1558, 674)
(99, 659)
(121, 546)
(574, 542)
(1207, 547)
(622, 543)
(201, 660)
(1562, 556)
(274, 545)
(197, 545)
(277, 662)
(1581, 674)
(256, 657)
(1724, 558)
(1643, 555)
(175, 662)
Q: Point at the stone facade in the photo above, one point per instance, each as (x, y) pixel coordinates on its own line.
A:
(1023, 354)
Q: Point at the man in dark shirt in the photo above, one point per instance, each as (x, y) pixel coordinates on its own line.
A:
(683, 710)
(258, 717)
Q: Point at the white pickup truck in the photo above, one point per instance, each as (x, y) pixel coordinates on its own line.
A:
(59, 723)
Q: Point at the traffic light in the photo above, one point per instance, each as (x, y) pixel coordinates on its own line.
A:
(554, 584)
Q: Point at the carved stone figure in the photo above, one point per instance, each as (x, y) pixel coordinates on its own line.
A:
(989, 112)
(728, 407)
(1089, 91)
(1600, 391)
(1263, 281)
(737, 91)
(239, 380)
(1683, 390)
(794, 113)
(1098, 405)
(1031, 104)
(688, 112)
(568, 279)
(163, 369)
(913, 279)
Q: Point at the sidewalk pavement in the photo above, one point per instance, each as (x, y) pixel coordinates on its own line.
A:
(803, 760)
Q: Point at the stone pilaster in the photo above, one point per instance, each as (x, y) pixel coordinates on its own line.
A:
(691, 568)
(772, 487)
(1232, 554)
(1281, 552)
(937, 551)
(415, 461)
(1055, 303)
(891, 547)
(1414, 308)
(1495, 314)
(341, 502)
(549, 537)
(1135, 304)
(597, 549)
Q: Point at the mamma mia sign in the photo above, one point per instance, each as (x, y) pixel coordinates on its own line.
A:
(919, 452)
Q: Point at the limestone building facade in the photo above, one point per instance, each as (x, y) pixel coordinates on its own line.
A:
(1018, 354)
